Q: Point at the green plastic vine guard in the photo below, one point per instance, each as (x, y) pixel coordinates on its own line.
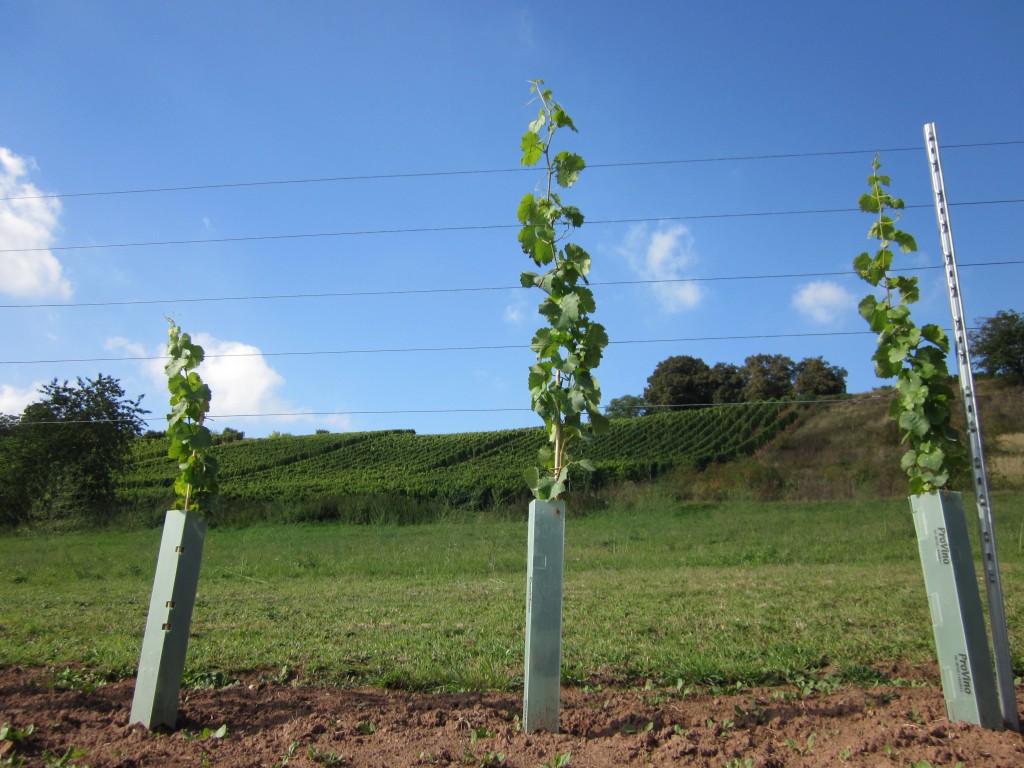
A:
(544, 557)
(162, 662)
(958, 622)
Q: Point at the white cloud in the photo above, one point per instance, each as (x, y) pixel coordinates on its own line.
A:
(824, 301)
(29, 222)
(664, 254)
(241, 379)
(14, 399)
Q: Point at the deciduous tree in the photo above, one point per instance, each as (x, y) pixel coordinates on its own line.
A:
(814, 377)
(679, 381)
(71, 446)
(625, 407)
(726, 382)
(997, 345)
(769, 377)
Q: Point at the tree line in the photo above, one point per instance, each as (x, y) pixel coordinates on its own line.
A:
(683, 381)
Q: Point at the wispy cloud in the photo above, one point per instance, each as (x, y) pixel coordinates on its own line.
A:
(824, 301)
(126, 347)
(525, 28)
(28, 221)
(664, 253)
(515, 311)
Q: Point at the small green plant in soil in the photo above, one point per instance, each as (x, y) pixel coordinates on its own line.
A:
(480, 733)
(485, 760)
(915, 357)
(206, 733)
(83, 680)
(366, 728)
(63, 761)
(561, 761)
(324, 758)
(208, 679)
(563, 387)
(804, 749)
(10, 739)
(16, 735)
(289, 753)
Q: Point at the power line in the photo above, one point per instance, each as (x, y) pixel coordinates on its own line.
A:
(403, 412)
(486, 171)
(406, 350)
(468, 228)
(856, 399)
(471, 289)
(688, 406)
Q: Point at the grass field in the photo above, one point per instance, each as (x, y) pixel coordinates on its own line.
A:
(656, 589)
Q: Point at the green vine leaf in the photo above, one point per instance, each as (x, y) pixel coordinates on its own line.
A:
(916, 357)
(196, 485)
(563, 390)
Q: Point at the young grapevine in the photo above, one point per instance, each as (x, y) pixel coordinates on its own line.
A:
(915, 357)
(562, 385)
(196, 485)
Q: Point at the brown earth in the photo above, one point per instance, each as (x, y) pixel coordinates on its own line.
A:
(276, 724)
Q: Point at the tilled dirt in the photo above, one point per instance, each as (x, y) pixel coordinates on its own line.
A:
(275, 724)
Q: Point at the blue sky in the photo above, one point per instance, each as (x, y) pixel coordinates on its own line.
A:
(115, 96)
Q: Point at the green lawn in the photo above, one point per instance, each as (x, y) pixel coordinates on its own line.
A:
(655, 589)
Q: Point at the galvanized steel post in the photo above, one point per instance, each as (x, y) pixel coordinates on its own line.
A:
(986, 525)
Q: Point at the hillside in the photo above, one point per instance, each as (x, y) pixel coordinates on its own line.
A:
(800, 451)
(851, 449)
(328, 474)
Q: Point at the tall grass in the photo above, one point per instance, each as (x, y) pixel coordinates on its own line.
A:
(656, 588)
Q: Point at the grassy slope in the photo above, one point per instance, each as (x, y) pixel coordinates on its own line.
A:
(851, 450)
(655, 588)
(475, 470)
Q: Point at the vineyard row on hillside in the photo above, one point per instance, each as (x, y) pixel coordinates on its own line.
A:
(469, 470)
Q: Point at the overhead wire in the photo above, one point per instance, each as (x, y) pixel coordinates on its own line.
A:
(469, 289)
(472, 289)
(407, 350)
(851, 399)
(486, 171)
(467, 228)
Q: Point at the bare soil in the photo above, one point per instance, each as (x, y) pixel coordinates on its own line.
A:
(275, 724)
